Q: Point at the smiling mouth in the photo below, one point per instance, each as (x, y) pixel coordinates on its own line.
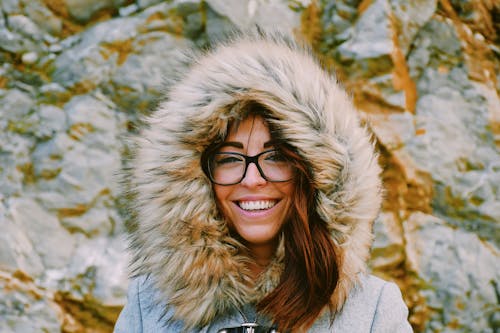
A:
(257, 205)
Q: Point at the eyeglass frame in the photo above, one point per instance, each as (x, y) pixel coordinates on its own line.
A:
(248, 160)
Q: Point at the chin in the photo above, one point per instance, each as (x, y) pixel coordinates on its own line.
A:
(258, 235)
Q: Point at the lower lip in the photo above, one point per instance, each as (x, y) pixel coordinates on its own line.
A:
(257, 213)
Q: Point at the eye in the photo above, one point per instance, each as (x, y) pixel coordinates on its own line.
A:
(227, 159)
(275, 156)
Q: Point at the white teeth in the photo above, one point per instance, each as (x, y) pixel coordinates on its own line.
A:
(257, 205)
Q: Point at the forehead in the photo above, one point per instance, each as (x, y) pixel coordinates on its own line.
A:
(252, 130)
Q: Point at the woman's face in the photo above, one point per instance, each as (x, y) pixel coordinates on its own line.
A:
(255, 208)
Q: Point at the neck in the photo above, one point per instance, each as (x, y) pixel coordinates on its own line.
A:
(261, 255)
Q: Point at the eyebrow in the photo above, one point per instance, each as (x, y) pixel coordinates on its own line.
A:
(239, 145)
(234, 144)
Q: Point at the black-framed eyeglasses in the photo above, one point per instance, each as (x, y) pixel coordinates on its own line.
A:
(249, 328)
(229, 168)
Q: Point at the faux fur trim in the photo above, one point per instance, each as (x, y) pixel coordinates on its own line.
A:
(180, 240)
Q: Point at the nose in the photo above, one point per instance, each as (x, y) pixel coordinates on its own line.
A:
(253, 177)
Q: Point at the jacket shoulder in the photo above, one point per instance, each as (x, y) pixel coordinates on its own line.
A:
(391, 312)
(143, 312)
(374, 306)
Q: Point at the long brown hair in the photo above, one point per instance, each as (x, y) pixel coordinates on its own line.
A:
(311, 264)
(311, 271)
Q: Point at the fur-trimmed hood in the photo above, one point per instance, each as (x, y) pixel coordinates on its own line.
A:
(179, 240)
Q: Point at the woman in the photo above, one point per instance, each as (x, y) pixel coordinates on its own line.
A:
(255, 192)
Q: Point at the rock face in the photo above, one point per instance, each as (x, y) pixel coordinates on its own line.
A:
(75, 77)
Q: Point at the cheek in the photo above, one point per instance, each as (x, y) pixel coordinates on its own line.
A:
(221, 195)
(220, 192)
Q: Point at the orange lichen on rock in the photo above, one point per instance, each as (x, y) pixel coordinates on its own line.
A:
(85, 316)
(155, 16)
(420, 131)
(79, 130)
(77, 210)
(82, 87)
(364, 5)
(407, 191)
(21, 282)
(477, 38)
(310, 25)
(28, 172)
(3, 82)
(401, 78)
(59, 8)
(480, 59)
(122, 47)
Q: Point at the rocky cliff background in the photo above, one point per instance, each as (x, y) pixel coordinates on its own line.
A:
(75, 76)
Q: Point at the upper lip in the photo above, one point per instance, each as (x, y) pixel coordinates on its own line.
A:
(256, 198)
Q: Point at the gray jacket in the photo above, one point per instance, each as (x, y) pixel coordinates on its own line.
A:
(375, 306)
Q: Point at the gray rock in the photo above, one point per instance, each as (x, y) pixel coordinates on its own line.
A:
(51, 121)
(29, 58)
(129, 10)
(15, 105)
(393, 129)
(370, 53)
(84, 10)
(139, 82)
(106, 260)
(147, 3)
(11, 6)
(92, 122)
(337, 19)
(180, 18)
(460, 280)
(392, 18)
(247, 13)
(16, 249)
(24, 26)
(14, 42)
(86, 172)
(15, 163)
(454, 144)
(388, 247)
(42, 229)
(437, 44)
(96, 221)
(26, 308)
(217, 26)
(52, 93)
(90, 58)
(43, 17)
(368, 43)
(81, 158)
(409, 17)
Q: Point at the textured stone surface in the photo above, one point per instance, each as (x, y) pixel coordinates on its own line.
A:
(459, 281)
(83, 10)
(76, 76)
(26, 308)
(246, 13)
(24, 213)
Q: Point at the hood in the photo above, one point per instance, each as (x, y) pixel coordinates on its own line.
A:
(180, 241)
